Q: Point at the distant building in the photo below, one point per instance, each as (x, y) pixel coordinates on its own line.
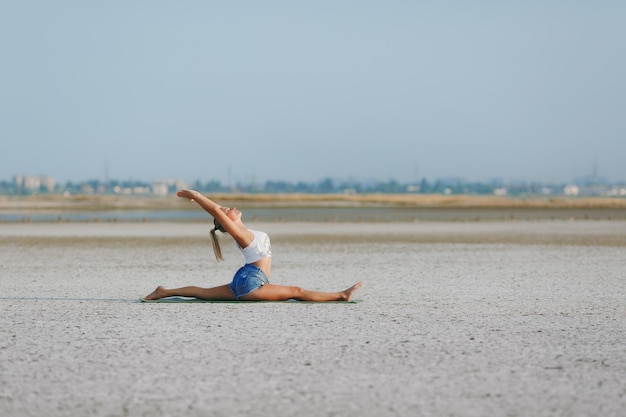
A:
(160, 188)
(571, 190)
(412, 188)
(33, 184)
(164, 187)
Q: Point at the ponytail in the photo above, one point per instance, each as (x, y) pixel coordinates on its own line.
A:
(215, 241)
(216, 245)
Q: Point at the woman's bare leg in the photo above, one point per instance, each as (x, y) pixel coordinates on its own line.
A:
(271, 292)
(222, 292)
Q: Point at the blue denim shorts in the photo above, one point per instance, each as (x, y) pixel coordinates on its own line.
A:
(247, 279)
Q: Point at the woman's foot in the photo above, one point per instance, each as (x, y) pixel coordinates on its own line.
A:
(156, 294)
(347, 294)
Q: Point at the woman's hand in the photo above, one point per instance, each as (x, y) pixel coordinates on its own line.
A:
(190, 194)
(208, 205)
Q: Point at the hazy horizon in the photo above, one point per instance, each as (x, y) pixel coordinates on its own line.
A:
(284, 91)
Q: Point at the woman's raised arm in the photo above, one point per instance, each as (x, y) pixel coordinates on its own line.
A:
(239, 232)
(207, 204)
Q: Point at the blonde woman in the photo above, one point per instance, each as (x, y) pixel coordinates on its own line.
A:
(251, 281)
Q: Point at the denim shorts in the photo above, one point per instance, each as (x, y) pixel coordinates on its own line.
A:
(247, 279)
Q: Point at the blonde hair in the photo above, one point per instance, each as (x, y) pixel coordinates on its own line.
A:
(215, 241)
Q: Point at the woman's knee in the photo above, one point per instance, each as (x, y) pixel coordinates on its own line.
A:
(297, 292)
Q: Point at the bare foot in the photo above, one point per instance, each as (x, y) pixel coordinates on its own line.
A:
(156, 294)
(348, 293)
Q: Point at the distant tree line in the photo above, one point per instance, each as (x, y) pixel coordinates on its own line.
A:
(325, 186)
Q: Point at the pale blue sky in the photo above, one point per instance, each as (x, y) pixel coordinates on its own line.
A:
(292, 90)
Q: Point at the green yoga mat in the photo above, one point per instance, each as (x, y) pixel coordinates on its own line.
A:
(198, 300)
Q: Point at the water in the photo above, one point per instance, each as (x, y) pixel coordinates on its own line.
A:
(321, 214)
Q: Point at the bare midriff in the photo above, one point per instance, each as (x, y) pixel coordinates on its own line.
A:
(265, 264)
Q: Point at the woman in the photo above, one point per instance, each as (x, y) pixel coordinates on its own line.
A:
(251, 282)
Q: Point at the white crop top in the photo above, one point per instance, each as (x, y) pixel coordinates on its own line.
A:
(259, 247)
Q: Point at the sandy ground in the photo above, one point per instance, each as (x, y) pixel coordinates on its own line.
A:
(458, 319)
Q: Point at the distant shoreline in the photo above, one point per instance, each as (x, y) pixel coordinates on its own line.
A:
(310, 208)
(171, 202)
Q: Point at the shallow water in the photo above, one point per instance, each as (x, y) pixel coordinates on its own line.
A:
(324, 214)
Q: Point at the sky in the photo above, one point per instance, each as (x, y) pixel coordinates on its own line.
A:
(362, 90)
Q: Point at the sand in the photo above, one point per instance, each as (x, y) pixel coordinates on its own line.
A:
(458, 319)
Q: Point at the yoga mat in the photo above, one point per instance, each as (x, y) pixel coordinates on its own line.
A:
(198, 300)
